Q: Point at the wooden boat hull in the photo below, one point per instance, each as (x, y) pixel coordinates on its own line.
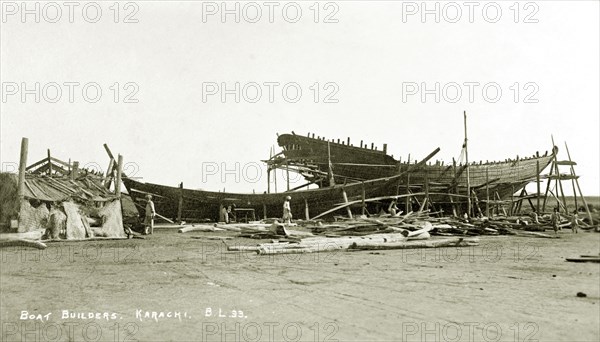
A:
(199, 204)
(352, 163)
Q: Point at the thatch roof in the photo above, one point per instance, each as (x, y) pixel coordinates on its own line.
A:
(59, 189)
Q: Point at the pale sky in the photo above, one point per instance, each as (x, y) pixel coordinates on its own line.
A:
(372, 55)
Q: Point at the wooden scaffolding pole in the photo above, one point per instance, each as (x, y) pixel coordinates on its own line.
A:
(22, 167)
(487, 192)
(363, 195)
(306, 212)
(180, 203)
(408, 206)
(49, 164)
(537, 180)
(587, 209)
(119, 175)
(287, 174)
(467, 168)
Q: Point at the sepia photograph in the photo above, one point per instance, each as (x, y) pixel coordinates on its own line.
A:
(300, 171)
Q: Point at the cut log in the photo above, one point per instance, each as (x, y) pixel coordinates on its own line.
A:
(203, 228)
(22, 243)
(584, 259)
(453, 242)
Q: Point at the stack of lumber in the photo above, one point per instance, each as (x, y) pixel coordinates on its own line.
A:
(413, 230)
(354, 235)
(442, 226)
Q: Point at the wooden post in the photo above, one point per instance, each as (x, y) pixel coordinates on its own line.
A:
(408, 206)
(467, 168)
(501, 205)
(477, 202)
(454, 188)
(537, 179)
(487, 192)
(427, 200)
(275, 180)
(306, 213)
(264, 211)
(398, 182)
(268, 179)
(346, 201)
(587, 209)
(119, 174)
(49, 164)
(287, 174)
(512, 200)
(180, 204)
(22, 167)
(363, 204)
(75, 171)
(330, 167)
(573, 178)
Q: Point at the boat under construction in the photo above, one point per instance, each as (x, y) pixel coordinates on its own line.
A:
(352, 179)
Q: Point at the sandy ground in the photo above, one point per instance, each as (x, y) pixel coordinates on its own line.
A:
(506, 289)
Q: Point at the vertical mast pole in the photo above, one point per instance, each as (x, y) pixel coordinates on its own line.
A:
(467, 167)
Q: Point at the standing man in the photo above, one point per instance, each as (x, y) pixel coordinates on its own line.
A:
(150, 213)
(224, 214)
(287, 211)
(575, 222)
(555, 221)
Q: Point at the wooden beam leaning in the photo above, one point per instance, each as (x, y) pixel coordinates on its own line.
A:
(348, 211)
(109, 173)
